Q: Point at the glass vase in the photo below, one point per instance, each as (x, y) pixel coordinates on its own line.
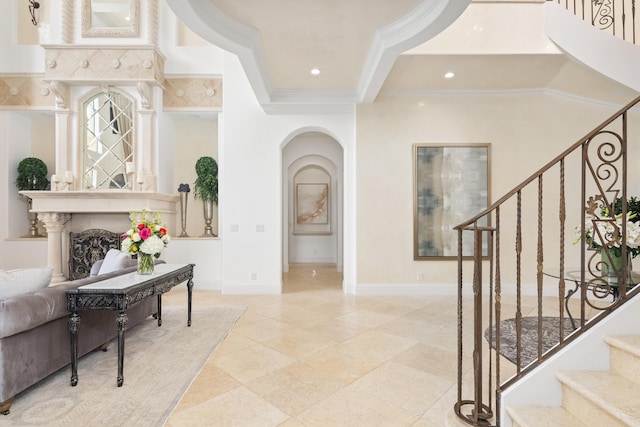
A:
(145, 263)
(612, 267)
(611, 263)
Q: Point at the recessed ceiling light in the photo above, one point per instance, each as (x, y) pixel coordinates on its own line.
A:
(315, 71)
(449, 75)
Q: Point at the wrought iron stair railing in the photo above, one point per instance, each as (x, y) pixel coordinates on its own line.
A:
(538, 258)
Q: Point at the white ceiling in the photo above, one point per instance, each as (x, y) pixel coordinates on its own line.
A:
(358, 47)
(298, 36)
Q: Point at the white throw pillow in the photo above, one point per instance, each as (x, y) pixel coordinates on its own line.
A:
(115, 260)
(95, 268)
(20, 281)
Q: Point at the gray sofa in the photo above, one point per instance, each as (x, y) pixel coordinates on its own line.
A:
(34, 334)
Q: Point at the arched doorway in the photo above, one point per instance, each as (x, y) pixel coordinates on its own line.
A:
(312, 201)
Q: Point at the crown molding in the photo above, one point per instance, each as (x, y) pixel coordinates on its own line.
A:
(429, 18)
(426, 21)
(204, 18)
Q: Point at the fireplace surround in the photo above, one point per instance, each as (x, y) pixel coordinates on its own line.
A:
(65, 211)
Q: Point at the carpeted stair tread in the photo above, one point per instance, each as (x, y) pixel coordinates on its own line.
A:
(615, 394)
(541, 416)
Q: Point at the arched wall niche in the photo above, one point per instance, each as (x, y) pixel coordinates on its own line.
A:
(311, 160)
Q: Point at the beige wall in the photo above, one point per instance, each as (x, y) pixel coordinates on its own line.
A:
(526, 130)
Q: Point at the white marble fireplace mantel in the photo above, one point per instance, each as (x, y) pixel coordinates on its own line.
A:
(55, 208)
(103, 201)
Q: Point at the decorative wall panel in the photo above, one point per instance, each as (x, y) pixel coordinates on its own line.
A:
(104, 65)
(192, 93)
(25, 92)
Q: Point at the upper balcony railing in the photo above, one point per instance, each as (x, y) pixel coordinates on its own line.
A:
(617, 17)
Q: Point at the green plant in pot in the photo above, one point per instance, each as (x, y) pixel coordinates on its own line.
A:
(32, 175)
(206, 189)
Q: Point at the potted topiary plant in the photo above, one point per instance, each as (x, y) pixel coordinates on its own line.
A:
(206, 189)
(32, 175)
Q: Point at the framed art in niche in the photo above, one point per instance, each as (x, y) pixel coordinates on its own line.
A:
(312, 209)
(451, 185)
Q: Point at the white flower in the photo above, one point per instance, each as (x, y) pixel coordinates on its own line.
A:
(602, 230)
(126, 245)
(633, 234)
(153, 245)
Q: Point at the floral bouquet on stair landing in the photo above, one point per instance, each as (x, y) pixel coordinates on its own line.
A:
(603, 233)
(146, 239)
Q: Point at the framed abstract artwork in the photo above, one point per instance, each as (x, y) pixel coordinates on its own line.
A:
(451, 185)
(312, 209)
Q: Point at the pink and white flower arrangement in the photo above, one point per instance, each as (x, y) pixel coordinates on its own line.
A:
(146, 235)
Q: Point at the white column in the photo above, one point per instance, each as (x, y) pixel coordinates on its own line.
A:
(150, 15)
(66, 22)
(146, 153)
(55, 223)
(62, 133)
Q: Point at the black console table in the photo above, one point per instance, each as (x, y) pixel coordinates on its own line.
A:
(119, 294)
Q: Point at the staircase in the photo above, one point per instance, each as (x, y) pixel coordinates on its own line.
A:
(592, 377)
(593, 398)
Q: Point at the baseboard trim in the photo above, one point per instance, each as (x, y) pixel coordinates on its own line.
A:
(367, 289)
(207, 285)
(251, 289)
(380, 289)
(313, 260)
(385, 289)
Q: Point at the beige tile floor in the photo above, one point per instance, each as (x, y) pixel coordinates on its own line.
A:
(314, 356)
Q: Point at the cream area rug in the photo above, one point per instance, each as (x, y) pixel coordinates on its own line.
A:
(159, 365)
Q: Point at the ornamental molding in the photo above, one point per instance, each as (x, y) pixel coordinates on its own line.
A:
(25, 92)
(116, 65)
(182, 93)
(44, 92)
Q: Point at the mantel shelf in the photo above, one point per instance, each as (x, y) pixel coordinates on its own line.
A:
(108, 201)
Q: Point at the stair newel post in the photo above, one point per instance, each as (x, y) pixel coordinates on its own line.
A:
(477, 331)
(478, 412)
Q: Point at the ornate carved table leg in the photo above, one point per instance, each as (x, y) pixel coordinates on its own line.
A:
(74, 323)
(159, 310)
(121, 323)
(189, 289)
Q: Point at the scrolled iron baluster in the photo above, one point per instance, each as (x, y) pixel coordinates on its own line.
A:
(603, 15)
